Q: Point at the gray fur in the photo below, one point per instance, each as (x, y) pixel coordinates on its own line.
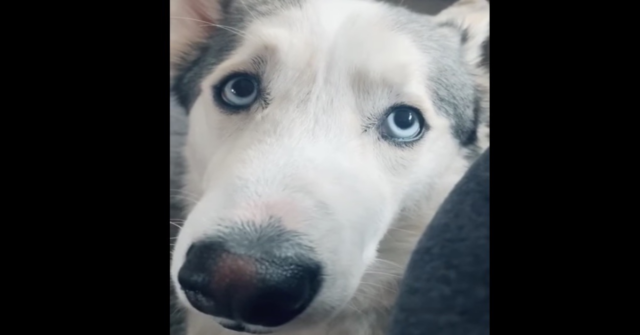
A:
(220, 44)
(453, 89)
(454, 92)
(177, 133)
(454, 95)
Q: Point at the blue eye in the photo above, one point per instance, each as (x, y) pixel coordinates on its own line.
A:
(403, 124)
(238, 91)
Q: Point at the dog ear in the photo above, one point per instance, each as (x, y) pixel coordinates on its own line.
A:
(191, 22)
(471, 18)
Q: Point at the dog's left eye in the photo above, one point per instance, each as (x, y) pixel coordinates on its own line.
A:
(238, 91)
(403, 124)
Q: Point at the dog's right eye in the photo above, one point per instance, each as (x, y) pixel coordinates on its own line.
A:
(403, 124)
(237, 91)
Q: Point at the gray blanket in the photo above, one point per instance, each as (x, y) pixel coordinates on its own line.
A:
(446, 289)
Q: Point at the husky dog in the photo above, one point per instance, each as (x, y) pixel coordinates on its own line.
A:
(322, 137)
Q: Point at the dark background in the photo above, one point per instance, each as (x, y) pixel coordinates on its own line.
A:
(178, 124)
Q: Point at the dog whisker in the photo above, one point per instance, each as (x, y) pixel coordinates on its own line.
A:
(383, 273)
(195, 202)
(184, 196)
(248, 10)
(191, 19)
(404, 231)
(350, 305)
(361, 297)
(175, 224)
(308, 142)
(380, 286)
(389, 262)
(211, 24)
(183, 191)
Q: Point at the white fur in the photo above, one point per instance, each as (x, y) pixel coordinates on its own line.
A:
(331, 65)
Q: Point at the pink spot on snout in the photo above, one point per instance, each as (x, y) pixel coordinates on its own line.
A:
(234, 271)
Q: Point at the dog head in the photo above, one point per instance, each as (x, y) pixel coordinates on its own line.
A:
(315, 127)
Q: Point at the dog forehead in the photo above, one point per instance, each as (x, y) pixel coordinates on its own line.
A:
(340, 41)
(367, 33)
(344, 37)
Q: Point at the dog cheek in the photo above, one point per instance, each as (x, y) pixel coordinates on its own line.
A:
(370, 254)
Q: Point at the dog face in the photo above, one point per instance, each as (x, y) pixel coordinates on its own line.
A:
(314, 127)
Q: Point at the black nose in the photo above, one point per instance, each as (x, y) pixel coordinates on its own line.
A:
(262, 285)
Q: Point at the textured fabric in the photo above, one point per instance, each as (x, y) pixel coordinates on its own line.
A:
(178, 126)
(446, 287)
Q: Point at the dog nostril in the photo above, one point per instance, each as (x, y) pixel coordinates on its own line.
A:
(194, 279)
(191, 281)
(266, 291)
(281, 297)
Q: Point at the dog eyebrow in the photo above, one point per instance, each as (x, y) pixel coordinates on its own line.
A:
(258, 63)
(258, 66)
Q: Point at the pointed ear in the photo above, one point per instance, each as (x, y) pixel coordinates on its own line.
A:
(191, 22)
(471, 17)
